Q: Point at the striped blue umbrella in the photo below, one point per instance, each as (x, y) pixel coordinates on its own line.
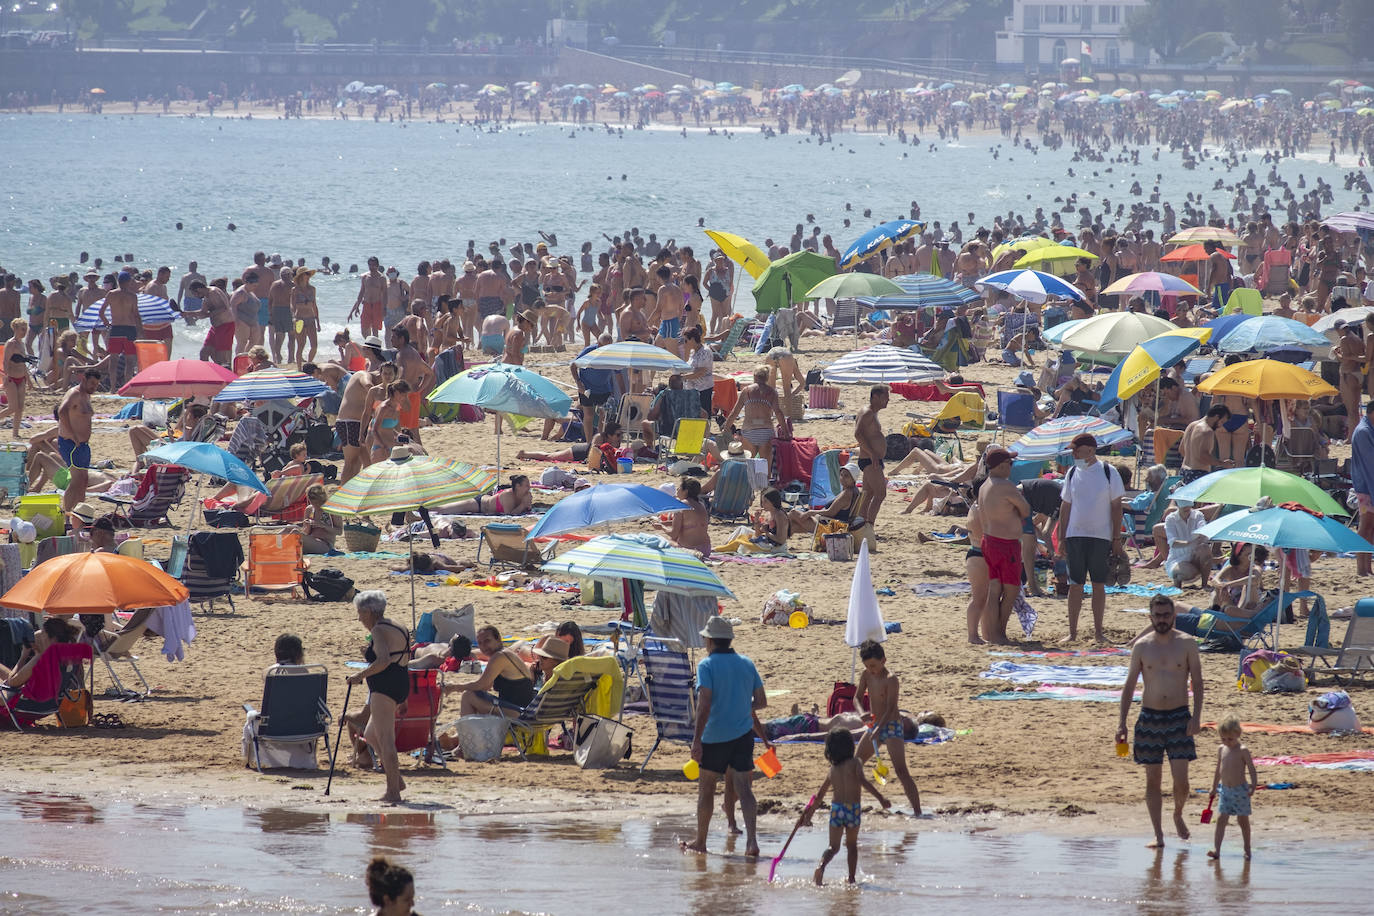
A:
(1031, 285)
(268, 384)
(630, 354)
(1055, 437)
(924, 291)
(1270, 332)
(881, 364)
(603, 504)
(645, 557)
(151, 310)
(878, 238)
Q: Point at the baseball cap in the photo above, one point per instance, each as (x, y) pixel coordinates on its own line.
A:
(996, 456)
(1085, 439)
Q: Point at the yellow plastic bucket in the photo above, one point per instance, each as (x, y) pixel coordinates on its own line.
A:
(799, 620)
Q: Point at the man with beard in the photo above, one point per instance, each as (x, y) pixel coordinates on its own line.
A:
(1168, 661)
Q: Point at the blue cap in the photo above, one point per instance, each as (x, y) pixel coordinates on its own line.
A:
(125, 276)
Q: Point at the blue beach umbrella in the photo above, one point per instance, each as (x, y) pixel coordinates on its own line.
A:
(1288, 529)
(924, 291)
(878, 238)
(1144, 364)
(1270, 332)
(1055, 437)
(1031, 285)
(603, 504)
(505, 389)
(1225, 324)
(151, 310)
(272, 383)
(207, 458)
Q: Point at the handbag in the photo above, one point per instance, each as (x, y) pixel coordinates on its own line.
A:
(462, 622)
(74, 707)
(600, 743)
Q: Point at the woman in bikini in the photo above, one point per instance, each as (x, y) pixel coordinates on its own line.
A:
(38, 307)
(306, 310)
(388, 685)
(514, 500)
(757, 407)
(386, 420)
(16, 355)
(505, 680)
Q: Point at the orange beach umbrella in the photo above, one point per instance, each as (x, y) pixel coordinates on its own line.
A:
(93, 583)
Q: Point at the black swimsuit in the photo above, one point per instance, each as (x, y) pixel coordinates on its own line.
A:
(516, 692)
(393, 680)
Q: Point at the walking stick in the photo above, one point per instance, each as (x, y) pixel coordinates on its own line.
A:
(773, 870)
(338, 739)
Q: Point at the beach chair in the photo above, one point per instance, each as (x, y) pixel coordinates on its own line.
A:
(121, 651)
(48, 548)
(1142, 524)
(417, 718)
(1198, 366)
(726, 347)
(151, 352)
(1353, 658)
(1251, 633)
(1015, 413)
(158, 493)
(825, 479)
(506, 545)
(294, 710)
(724, 395)
(733, 493)
(560, 699)
(213, 559)
(243, 364)
(57, 671)
(14, 474)
(1297, 450)
(176, 561)
(792, 460)
(286, 500)
(275, 562)
(688, 437)
(634, 408)
(1166, 446)
(670, 686)
(1244, 300)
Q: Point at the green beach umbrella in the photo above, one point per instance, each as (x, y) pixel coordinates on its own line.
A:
(799, 272)
(852, 286)
(1245, 486)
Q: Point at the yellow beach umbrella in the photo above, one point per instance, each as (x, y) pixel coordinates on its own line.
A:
(1142, 365)
(1204, 234)
(742, 251)
(1051, 254)
(1025, 243)
(1267, 379)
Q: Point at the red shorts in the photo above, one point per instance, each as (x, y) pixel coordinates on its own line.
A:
(372, 314)
(121, 345)
(1004, 560)
(164, 334)
(221, 337)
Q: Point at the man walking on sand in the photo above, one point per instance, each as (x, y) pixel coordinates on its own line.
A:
(1169, 662)
(868, 432)
(729, 693)
(1001, 510)
(1089, 529)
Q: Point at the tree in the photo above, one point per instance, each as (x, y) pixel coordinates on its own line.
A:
(1255, 22)
(1164, 25)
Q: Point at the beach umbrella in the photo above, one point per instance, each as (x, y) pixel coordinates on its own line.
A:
(1055, 437)
(787, 279)
(740, 250)
(270, 383)
(1266, 379)
(1053, 254)
(1031, 285)
(1055, 335)
(877, 239)
(1247, 486)
(881, 364)
(644, 557)
(603, 504)
(1194, 252)
(1279, 92)
(151, 310)
(97, 91)
(504, 389)
(1204, 234)
(207, 458)
(355, 86)
(630, 354)
(93, 583)
(924, 291)
(1270, 332)
(1151, 281)
(1353, 315)
(1353, 221)
(1114, 333)
(864, 619)
(179, 378)
(407, 483)
(1144, 364)
(1225, 324)
(853, 286)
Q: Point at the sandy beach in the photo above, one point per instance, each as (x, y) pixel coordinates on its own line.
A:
(1046, 761)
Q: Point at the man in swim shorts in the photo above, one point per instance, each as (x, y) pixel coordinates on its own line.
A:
(669, 311)
(493, 289)
(263, 277)
(413, 368)
(1169, 664)
(1001, 509)
(214, 304)
(371, 301)
(121, 311)
(868, 432)
(74, 435)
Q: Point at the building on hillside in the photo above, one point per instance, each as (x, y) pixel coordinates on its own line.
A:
(1037, 36)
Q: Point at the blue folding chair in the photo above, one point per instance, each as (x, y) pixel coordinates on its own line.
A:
(825, 478)
(669, 684)
(733, 494)
(1015, 412)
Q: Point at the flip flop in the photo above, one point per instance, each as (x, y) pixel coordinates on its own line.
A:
(107, 720)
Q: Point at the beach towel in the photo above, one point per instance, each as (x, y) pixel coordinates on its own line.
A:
(1063, 653)
(939, 589)
(1270, 728)
(1362, 760)
(1054, 692)
(1144, 591)
(1055, 674)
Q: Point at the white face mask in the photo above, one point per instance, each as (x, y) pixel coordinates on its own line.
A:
(1080, 462)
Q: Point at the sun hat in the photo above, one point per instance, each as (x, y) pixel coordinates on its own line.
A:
(737, 447)
(718, 627)
(83, 511)
(554, 648)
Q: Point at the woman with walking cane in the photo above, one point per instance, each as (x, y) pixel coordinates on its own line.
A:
(388, 684)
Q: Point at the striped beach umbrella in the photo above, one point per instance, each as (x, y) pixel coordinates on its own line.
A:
(1031, 285)
(1055, 437)
(630, 354)
(1350, 222)
(405, 482)
(1150, 281)
(603, 504)
(1143, 365)
(151, 310)
(880, 364)
(274, 382)
(1204, 234)
(924, 291)
(877, 239)
(645, 557)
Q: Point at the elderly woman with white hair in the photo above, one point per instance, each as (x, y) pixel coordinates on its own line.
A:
(388, 684)
(1142, 504)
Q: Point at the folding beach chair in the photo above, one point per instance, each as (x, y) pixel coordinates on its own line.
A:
(176, 562)
(1198, 366)
(121, 651)
(14, 475)
(688, 437)
(792, 460)
(1353, 658)
(1251, 633)
(825, 479)
(567, 691)
(726, 348)
(1015, 413)
(275, 562)
(724, 395)
(150, 353)
(48, 548)
(1166, 451)
(1245, 300)
(294, 709)
(1142, 524)
(56, 672)
(634, 409)
(160, 491)
(213, 560)
(1297, 450)
(286, 498)
(670, 685)
(506, 545)
(733, 493)
(417, 717)
(242, 365)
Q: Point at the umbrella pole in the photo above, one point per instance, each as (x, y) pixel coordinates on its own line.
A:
(1278, 618)
(411, 541)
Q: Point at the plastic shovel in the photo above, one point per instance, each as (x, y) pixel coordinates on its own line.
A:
(1207, 812)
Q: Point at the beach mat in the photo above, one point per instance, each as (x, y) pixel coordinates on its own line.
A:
(1057, 692)
(1109, 675)
(1270, 728)
(939, 589)
(1064, 653)
(1362, 761)
(1144, 591)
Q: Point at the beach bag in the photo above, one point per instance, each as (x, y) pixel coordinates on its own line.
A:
(1253, 667)
(600, 743)
(226, 518)
(839, 547)
(823, 397)
(1119, 569)
(74, 707)
(897, 447)
(448, 624)
(327, 585)
(1332, 712)
(1285, 677)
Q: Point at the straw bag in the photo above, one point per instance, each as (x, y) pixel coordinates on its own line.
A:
(360, 537)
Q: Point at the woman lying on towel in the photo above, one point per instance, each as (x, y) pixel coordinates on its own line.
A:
(810, 723)
(598, 453)
(772, 528)
(517, 499)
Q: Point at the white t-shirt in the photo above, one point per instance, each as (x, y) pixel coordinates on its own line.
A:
(1178, 528)
(1091, 491)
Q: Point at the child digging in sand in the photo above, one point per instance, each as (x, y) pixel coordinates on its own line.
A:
(882, 689)
(846, 778)
(1233, 784)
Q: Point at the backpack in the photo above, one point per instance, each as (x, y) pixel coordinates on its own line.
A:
(327, 585)
(842, 699)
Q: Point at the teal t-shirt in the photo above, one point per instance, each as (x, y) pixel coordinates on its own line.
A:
(732, 680)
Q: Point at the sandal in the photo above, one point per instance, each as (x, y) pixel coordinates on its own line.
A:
(107, 720)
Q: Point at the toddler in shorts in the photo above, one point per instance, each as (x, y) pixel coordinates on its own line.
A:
(1233, 784)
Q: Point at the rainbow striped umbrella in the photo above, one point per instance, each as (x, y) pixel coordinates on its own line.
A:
(404, 482)
(646, 557)
(1055, 437)
(630, 354)
(269, 384)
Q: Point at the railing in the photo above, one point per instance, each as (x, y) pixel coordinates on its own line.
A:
(915, 67)
(264, 47)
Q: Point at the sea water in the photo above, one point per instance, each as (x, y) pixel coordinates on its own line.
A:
(111, 185)
(65, 854)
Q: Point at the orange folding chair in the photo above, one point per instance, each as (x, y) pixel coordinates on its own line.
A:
(151, 352)
(275, 561)
(242, 364)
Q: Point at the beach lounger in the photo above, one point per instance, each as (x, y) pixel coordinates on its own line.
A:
(286, 500)
(213, 559)
(1251, 633)
(14, 474)
(275, 562)
(1353, 658)
(294, 712)
(506, 544)
(1297, 450)
(733, 494)
(48, 548)
(792, 460)
(120, 651)
(634, 409)
(56, 672)
(160, 491)
(670, 685)
(567, 692)
(726, 348)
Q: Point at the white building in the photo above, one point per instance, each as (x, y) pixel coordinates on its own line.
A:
(1040, 35)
